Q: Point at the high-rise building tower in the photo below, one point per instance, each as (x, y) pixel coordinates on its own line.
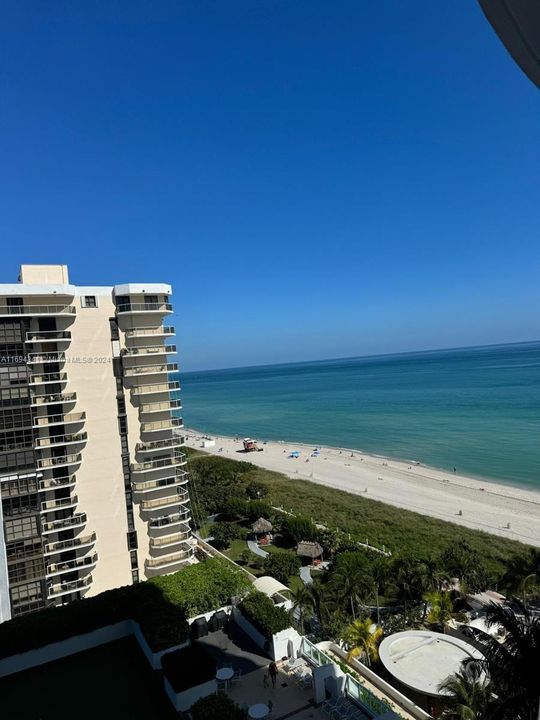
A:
(92, 477)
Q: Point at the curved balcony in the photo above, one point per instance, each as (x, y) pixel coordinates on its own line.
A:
(32, 310)
(47, 378)
(46, 357)
(54, 483)
(56, 440)
(136, 352)
(156, 389)
(71, 565)
(168, 561)
(144, 308)
(160, 543)
(181, 478)
(159, 425)
(60, 461)
(167, 444)
(54, 399)
(144, 370)
(46, 336)
(173, 461)
(163, 502)
(59, 504)
(77, 543)
(55, 590)
(160, 406)
(165, 521)
(67, 419)
(151, 332)
(77, 520)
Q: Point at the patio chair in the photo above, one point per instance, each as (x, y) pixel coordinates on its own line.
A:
(237, 676)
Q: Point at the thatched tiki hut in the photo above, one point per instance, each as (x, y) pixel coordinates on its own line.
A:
(311, 550)
(262, 528)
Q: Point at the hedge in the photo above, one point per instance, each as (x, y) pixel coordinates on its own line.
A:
(269, 619)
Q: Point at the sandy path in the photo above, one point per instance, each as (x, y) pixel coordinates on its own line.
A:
(484, 505)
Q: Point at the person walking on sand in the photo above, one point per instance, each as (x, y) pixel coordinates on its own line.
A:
(272, 669)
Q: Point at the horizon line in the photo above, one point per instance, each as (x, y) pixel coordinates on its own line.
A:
(364, 357)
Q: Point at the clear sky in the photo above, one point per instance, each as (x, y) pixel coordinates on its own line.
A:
(316, 179)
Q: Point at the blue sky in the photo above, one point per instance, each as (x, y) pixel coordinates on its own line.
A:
(316, 179)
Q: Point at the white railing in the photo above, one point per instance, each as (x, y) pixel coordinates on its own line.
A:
(70, 565)
(48, 357)
(155, 350)
(142, 332)
(47, 336)
(46, 442)
(61, 460)
(73, 544)
(37, 310)
(174, 519)
(57, 525)
(167, 540)
(176, 459)
(160, 444)
(53, 590)
(168, 559)
(59, 503)
(150, 369)
(48, 378)
(156, 388)
(146, 485)
(54, 398)
(59, 419)
(162, 424)
(143, 307)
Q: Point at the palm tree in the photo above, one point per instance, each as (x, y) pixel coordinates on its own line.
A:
(523, 576)
(512, 665)
(363, 639)
(467, 695)
(302, 605)
(352, 587)
(379, 573)
(441, 607)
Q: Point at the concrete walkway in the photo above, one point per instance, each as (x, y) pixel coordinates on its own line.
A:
(255, 549)
(305, 575)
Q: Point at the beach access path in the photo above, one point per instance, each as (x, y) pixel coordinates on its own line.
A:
(499, 509)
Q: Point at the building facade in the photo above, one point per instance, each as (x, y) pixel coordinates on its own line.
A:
(92, 476)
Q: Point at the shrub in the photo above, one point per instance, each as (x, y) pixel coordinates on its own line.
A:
(224, 533)
(256, 490)
(259, 609)
(217, 707)
(301, 528)
(282, 565)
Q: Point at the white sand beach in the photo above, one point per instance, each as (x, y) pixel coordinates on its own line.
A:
(485, 505)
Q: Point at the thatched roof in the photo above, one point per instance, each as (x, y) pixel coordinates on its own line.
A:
(261, 525)
(309, 549)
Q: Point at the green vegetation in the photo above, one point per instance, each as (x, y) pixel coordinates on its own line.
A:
(161, 606)
(259, 609)
(217, 707)
(224, 533)
(281, 566)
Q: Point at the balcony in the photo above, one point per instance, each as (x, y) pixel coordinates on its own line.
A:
(72, 565)
(55, 440)
(54, 399)
(67, 419)
(168, 561)
(176, 459)
(159, 425)
(44, 358)
(31, 310)
(179, 518)
(48, 378)
(53, 483)
(62, 460)
(166, 541)
(160, 406)
(163, 502)
(144, 308)
(55, 590)
(77, 520)
(167, 444)
(156, 389)
(149, 332)
(134, 352)
(45, 336)
(59, 504)
(143, 370)
(72, 544)
(181, 478)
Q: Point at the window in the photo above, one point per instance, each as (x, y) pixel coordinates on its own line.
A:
(88, 301)
(132, 544)
(133, 560)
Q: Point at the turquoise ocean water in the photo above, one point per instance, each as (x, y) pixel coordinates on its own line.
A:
(476, 409)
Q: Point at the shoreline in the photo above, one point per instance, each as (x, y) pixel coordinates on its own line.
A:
(482, 504)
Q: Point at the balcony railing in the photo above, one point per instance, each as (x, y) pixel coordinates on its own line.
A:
(72, 544)
(53, 483)
(59, 504)
(71, 439)
(44, 358)
(57, 589)
(73, 459)
(48, 336)
(178, 518)
(181, 478)
(66, 419)
(48, 378)
(150, 369)
(176, 459)
(70, 522)
(144, 332)
(155, 350)
(167, 560)
(156, 389)
(37, 310)
(160, 406)
(162, 425)
(54, 398)
(72, 565)
(167, 501)
(144, 308)
(168, 443)
(169, 540)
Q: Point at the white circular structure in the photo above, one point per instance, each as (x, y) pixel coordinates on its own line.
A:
(422, 660)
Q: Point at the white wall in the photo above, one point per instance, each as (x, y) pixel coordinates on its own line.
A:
(184, 700)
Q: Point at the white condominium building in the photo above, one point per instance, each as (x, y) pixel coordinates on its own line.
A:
(92, 475)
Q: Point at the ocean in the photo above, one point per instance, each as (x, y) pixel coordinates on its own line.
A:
(475, 409)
